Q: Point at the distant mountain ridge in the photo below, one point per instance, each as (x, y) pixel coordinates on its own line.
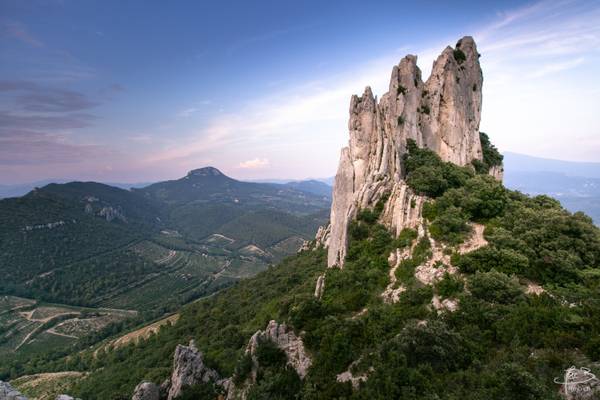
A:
(57, 237)
(575, 184)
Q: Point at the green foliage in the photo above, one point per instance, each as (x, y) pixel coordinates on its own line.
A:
(449, 286)
(427, 174)
(487, 258)
(495, 287)
(450, 225)
(459, 56)
(405, 238)
(201, 391)
(242, 369)
(491, 155)
(401, 90)
(499, 344)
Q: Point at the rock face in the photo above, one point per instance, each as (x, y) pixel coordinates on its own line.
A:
(146, 391)
(188, 369)
(7, 392)
(287, 341)
(441, 114)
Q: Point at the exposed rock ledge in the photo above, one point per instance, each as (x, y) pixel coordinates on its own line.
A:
(189, 369)
(287, 341)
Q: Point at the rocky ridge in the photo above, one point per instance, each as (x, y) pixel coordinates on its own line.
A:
(189, 368)
(442, 114)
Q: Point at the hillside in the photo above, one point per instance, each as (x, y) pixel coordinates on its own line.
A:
(141, 253)
(431, 281)
(575, 184)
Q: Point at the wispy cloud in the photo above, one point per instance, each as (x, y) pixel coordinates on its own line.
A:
(556, 67)
(19, 31)
(254, 163)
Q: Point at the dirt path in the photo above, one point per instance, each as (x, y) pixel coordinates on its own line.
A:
(475, 241)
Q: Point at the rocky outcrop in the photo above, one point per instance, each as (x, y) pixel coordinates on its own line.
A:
(287, 341)
(111, 213)
(441, 114)
(322, 236)
(189, 369)
(146, 391)
(7, 392)
(320, 287)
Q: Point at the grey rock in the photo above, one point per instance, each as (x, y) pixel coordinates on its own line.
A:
(286, 340)
(320, 287)
(189, 369)
(66, 397)
(7, 392)
(146, 391)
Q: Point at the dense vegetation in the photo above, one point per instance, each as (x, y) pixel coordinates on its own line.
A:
(501, 343)
(72, 243)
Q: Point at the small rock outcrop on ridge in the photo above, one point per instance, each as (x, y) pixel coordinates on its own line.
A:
(146, 391)
(441, 114)
(188, 369)
(286, 340)
(7, 392)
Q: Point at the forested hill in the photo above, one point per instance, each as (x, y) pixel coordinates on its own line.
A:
(496, 296)
(86, 243)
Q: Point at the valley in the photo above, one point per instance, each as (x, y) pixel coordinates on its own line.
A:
(82, 261)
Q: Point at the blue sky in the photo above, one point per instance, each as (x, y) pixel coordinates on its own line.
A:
(147, 90)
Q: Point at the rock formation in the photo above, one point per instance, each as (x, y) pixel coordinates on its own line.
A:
(7, 392)
(287, 341)
(146, 391)
(188, 369)
(441, 114)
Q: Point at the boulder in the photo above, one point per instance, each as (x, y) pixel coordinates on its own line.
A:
(146, 391)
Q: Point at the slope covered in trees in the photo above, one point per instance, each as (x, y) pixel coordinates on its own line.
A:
(528, 307)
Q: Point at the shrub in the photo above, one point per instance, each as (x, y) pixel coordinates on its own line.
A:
(489, 257)
(449, 286)
(495, 287)
(459, 56)
(450, 225)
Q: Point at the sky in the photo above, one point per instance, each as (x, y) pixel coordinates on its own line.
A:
(138, 91)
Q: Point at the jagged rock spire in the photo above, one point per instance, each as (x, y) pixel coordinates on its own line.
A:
(442, 114)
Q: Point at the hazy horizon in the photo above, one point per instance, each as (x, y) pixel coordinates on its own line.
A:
(137, 92)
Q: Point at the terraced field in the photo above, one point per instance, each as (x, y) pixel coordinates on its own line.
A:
(46, 386)
(32, 327)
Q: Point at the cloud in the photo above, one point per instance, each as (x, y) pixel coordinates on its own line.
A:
(556, 67)
(36, 127)
(34, 97)
(187, 112)
(24, 147)
(45, 122)
(20, 32)
(254, 163)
